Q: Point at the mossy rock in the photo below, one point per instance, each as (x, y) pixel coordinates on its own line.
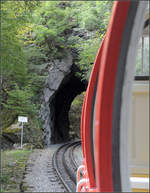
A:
(10, 130)
(28, 146)
(14, 128)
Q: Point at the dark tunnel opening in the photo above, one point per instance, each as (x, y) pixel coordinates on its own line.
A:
(60, 106)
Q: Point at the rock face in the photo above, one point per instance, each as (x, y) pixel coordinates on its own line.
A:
(61, 87)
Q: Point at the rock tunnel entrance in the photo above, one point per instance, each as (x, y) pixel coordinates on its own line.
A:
(60, 106)
(60, 88)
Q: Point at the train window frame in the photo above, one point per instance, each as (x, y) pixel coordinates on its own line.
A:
(142, 50)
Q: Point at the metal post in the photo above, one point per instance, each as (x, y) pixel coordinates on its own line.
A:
(22, 135)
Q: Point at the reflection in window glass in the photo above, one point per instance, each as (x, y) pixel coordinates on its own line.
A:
(142, 64)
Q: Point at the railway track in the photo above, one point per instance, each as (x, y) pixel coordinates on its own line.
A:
(69, 161)
(65, 166)
(72, 155)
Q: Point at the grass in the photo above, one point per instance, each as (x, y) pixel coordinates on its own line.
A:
(13, 166)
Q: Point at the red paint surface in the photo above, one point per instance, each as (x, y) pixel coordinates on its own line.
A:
(87, 118)
(105, 97)
(82, 127)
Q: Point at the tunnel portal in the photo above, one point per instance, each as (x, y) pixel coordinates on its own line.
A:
(60, 106)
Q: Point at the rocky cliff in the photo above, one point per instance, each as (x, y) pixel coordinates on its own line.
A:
(61, 87)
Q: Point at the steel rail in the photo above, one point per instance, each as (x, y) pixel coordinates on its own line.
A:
(64, 167)
(73, 169)
(72, 156)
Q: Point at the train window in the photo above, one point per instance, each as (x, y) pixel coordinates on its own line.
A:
(142, 65)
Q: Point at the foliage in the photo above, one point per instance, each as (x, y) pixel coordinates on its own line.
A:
(93, 17)
(75, 114)
(88, 50)
(13, 166)
(18, 84)
(53, 20)
(19, 101)
(14, 20)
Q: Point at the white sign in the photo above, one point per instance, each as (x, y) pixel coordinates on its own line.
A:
(23, 119)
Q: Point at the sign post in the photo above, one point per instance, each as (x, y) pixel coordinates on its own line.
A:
(22, 120)
(22, 135)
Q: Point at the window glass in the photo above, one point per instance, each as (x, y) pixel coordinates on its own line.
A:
(142, 64)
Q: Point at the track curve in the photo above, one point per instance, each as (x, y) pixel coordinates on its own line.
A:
(65, 165)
